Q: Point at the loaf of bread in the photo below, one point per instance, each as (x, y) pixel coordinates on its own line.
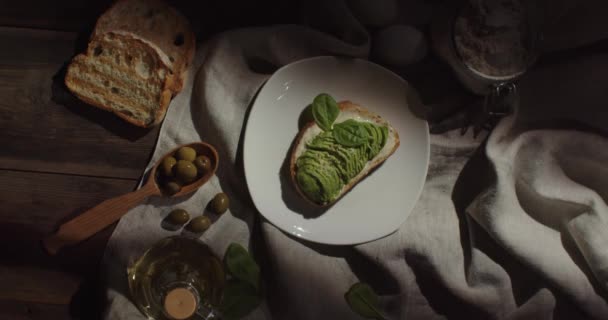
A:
(330, 155)
(137, 59)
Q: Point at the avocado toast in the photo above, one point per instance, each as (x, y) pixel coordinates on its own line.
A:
(337, 150)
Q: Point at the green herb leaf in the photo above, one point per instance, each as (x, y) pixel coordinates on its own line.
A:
(240, 298)
(325, 111)
(363, 300)
(350, 133)
(241, 265)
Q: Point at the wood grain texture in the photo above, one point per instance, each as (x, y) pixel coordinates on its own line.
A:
(53, 287)
(19, 310)
(42, 200)
(33, 206)
(45, 128)
(206, 17)
(56, 15)
(85, 303)
(50, 47)
(51, 142)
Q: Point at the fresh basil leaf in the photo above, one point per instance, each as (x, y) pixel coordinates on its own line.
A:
(325, 111)
(363, 300)
(241, 265)
(350, 133)
(239, 299)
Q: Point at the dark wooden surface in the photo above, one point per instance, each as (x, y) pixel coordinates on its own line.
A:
(206, 16)
(59, 157)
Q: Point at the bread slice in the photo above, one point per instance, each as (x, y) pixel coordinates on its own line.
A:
(137, 59)
(123, 74)
(154, 21)
(348, 110)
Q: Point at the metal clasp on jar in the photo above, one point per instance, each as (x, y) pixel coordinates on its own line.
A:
(500, 100)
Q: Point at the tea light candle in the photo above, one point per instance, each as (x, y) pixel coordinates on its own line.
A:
(180, 303)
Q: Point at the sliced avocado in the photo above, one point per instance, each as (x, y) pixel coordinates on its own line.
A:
(309, 185)
(384, 130)
(326, 166)
(374, 133)
(329, 181)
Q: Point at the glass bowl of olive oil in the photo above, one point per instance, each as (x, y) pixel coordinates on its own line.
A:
(177, 278)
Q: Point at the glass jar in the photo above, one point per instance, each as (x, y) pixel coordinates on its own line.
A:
(454, 34)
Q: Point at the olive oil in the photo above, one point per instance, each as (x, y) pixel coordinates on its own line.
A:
(178, 278)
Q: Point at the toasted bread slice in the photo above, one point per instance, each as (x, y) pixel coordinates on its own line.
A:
(154, 21)
(348, 110)
(123, 74)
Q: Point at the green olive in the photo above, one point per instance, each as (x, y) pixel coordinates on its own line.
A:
(178, 216)
(185, 171)
(185, 153)
(172, 187)
(203, 164)
(199, 224)
(220, 203)
(166, 167)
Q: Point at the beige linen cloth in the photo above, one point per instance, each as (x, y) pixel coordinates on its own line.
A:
(514, 227)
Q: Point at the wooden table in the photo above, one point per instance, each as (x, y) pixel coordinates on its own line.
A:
(59, 157)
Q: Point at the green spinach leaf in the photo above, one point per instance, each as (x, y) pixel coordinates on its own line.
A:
(325, 111)
(240, 298)
(242, 266)
(363, 300)
(350, 133)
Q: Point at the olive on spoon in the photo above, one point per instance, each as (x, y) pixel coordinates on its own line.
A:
(110, 211)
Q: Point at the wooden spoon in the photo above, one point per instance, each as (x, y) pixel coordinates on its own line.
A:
(110, 211)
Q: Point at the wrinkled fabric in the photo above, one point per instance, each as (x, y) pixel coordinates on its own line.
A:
(509, 227)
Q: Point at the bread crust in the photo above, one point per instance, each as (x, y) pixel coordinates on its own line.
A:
(344, 106)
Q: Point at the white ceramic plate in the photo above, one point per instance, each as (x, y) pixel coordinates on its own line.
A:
(375, 207)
